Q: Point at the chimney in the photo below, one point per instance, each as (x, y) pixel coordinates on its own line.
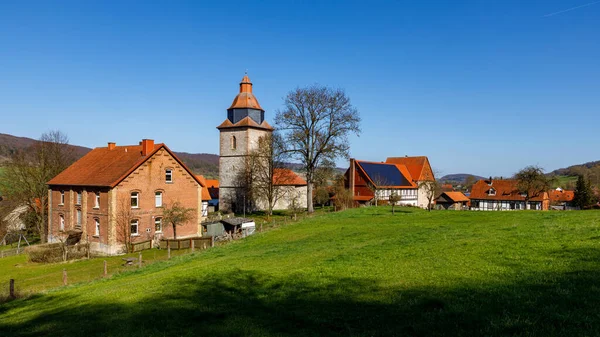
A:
(352, 178)
(111, 146)
(147, 146)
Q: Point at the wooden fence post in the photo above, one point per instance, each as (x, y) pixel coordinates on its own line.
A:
(2, 253)
(212, 241)
(168, 249)
(192, 245)
(105, 268)
(140, 260)
(12, 288)
(64, 277)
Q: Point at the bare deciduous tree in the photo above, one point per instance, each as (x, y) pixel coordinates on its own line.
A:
(343, 197)
(123, 219)
(26, 175)
(177, 215)
(316, 122)
(431, 188)
(394, 199)
(267, 171)
(532, 182)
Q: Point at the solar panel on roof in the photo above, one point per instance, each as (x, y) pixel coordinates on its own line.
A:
(384, 174)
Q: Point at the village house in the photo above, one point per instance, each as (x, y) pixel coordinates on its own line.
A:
(452, 200)
(292, 188)
(370, 181)
(561, 199)
(503, 194)
(117, 193)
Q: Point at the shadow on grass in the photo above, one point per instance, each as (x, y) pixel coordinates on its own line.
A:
(246, 303)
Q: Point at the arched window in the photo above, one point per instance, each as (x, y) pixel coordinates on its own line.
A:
(61, 222)
(233, 143)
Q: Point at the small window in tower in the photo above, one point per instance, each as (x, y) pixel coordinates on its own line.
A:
(233, 143)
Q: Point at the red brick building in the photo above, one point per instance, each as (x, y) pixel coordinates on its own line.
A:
(117, 193)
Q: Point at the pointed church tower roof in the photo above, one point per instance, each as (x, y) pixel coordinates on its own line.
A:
(245, 99)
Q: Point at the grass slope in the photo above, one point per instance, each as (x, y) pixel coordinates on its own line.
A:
(362, 272)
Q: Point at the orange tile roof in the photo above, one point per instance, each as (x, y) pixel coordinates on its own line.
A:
(506, 189)
(561, 195)
(245, 99)
(419, 167)
(107, 168)
(457, 196)
(205, 193)
(212, 183)
(245, 122)
(287, 177)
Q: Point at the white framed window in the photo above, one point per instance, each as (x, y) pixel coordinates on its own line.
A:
(62, 197)
(78, 217)
(492, 191)
(97, 227)
(134, 227)
(205, 208)
(158, 225)
(61, 219)
(97, 200)
(158, 199)
(168, 175)
(135, 199)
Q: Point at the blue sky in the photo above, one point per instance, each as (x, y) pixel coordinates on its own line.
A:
(483, 87)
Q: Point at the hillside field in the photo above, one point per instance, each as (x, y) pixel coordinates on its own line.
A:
(362, 272)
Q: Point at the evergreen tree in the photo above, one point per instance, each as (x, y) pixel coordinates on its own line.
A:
(583, 193)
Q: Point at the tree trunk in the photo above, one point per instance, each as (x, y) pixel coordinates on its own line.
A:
(175, 231)
(309, 198)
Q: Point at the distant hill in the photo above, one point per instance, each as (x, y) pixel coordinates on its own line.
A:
(458, 178)
(574, 170)
(200, 163)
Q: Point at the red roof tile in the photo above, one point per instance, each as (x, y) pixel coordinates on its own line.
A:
(107, 168)
(205, 194)
(212, 183)
(506, 189)
(245, 122)
(245, 99)
(457, 196)
(419, 167)
(561, 195)
(287, 177)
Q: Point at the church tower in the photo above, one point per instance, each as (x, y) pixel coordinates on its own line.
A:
(239, 135)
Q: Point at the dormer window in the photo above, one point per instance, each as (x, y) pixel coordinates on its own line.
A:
(492, 191)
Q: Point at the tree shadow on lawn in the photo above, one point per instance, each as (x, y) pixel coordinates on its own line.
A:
(247, 303)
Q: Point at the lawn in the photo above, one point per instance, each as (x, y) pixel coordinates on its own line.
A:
(363, 272)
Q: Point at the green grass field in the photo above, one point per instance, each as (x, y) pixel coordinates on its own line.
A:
(363, 272)
(564, 181)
